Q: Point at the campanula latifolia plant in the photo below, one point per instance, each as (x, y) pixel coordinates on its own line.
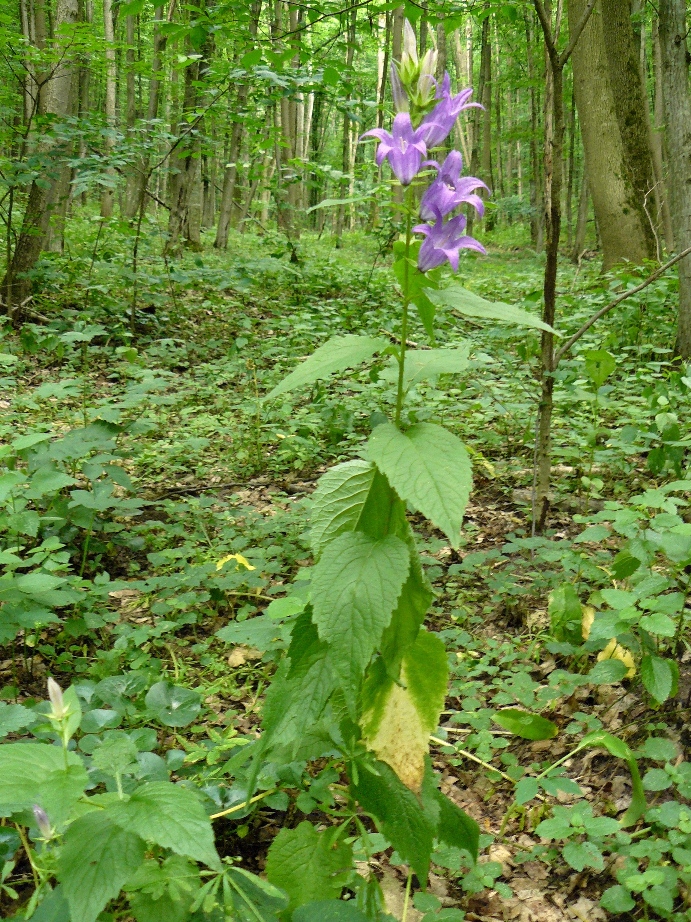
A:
(363, 678)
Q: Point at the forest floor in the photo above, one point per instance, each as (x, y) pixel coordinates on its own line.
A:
(178, 464)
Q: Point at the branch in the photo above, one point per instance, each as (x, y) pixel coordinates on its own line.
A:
(559, 355)
(547, 30)
(580, 26)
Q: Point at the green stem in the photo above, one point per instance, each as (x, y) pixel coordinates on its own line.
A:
(406, 302)
(407, 896)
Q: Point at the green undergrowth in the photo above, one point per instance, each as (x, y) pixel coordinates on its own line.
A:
(154, 538)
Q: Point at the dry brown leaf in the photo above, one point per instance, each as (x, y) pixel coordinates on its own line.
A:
(242, 654)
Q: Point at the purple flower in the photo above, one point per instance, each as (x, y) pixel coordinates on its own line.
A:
(438, 124)
(444, 241)
(403, 147)
(450, 189)
(42, 822)
(400, 97)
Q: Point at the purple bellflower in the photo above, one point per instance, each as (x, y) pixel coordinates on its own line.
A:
(440, 121)
(444, 241)
(450, 189)
(403, 147)
(42, 822)
(400, 97)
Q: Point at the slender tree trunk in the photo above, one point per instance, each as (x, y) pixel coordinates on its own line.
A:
(346, 140)
(656, 127)
(108, 191)
(581, 219)
(677, 107)
(536, 220)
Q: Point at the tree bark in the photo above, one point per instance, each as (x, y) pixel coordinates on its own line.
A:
(631, 108)
(623, 233)
(55, 96)
(108, 191)
(677, 109)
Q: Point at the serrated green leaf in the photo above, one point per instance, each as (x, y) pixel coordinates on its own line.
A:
(15, 717)
(526, 725)
(355, 587)
(399, 814)
(457, 298)
(580, 855)
(97, 859)
(170, 816)
(429, 468)
(659, 676)
(456, 828)
(339, 500)
(24, 767)
(526, 789)
(337, 354)
(309, 865)
(617, 899)
(299, 691)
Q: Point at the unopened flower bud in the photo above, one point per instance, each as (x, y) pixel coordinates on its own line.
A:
(56, 700)
(43, 822)
(400, 97)
(409, 41)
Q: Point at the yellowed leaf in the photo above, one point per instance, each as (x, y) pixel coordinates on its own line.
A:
(614, 650)
(238, 558)
(401, 741)
(588, 618)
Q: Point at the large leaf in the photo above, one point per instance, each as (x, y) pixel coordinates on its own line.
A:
(399, 814)
(355, 588)
(456, 828)
(337, 354)
(26, 768)
(338, 501)
(457, 298)
(309, 865)
(429, 468)
(423, 364)
(399, 717)
(97, 859)
(300, 689)
(170, 816)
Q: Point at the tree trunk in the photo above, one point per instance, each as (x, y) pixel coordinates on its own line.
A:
(108, 191)
(55, 97)
(581, 220)
(618, 213)
(536, 219)
(346, 140)
(631, 108)
(677, 108)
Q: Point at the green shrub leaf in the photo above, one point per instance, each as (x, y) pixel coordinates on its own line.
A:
(429, 468)
(309, 865)
(97, 859)
(337, 354)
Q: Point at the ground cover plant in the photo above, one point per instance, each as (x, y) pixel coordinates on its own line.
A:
(267, 657)
(156, 577)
